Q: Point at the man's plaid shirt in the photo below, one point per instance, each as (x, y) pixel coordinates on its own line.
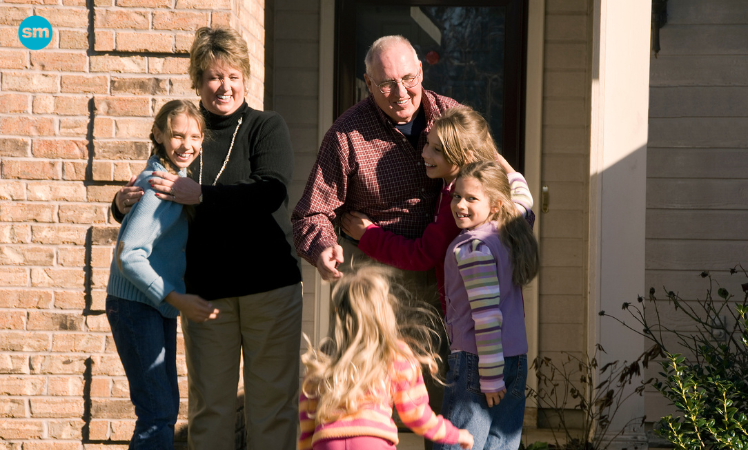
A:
(365, 164)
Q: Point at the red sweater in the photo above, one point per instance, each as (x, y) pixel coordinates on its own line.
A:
(429, 250)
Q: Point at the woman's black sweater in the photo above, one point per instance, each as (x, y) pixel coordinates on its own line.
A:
(240, 241)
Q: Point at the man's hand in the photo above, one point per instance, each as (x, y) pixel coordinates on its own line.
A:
(328, 261)
(127, 196)
(355, 224)
(493, 398)
(193, 307)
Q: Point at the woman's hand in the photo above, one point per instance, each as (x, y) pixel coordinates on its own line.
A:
(465, 439)
(355, 224)
(493, 398)
(192, 307)
(175, 188)
(127, 196)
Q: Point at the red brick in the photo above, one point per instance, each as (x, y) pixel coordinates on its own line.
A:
(70, 299)
(101, 194)
(23, 298)
(14, 103)
(43, 104)
(68, 386)
(123, 106)
(12, 320)
(133, 127)
(58, 364)
(75, 342)
(138, 86)
(13, 59)
(98, 303)
(101, 235)
(56, 407)
(112, 409)
(14, 15)
(41, 191)
(122, 429)
(220, 19)
(81, 84)
(17, 147)
(15, 233)
(98, 430)
(121, 18)
(65, 61)
(23, 255)
(63, 278)
(53, 321)
(144, 42)
(66, 429)
(12, 407)
(102, 171)
(181, 87)
(71, 105)
(179, 20)
(98, 324)
(104, 40)
(60, 148)
(119, 150)
(21, 429)
(31, 170)
(34, 2)
(103, 3)
(23, 341)
(99, 278)
(169, 65)
(13, 364)
(101, 387)
(107, 365)
(15, 385)
(203, 4)
(27, 212)
(74, 2)
(103, 127)
(12, 190)
(30, 82)
(73, 126)
(183, 42)
(13, 276)
(124, 64)
(27, 126)
(145, 3)
(74, 171)
(58, 234)
(82, 213)
(74, 39)
(64, 17)
(123, 171)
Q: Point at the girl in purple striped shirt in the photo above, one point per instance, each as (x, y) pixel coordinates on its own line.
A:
(485, 268)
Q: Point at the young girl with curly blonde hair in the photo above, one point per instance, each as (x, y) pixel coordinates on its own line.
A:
(371, 360)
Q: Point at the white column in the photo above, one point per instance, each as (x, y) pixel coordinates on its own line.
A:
(620, 103)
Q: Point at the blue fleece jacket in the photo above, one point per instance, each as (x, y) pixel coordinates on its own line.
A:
(149, 259)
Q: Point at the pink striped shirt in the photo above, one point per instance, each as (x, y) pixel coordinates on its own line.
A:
(374, 417)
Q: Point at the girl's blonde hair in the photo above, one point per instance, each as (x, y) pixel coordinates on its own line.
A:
(465, 136)
(514, 232)
(213, 44)
(162, 122)
(370, 320)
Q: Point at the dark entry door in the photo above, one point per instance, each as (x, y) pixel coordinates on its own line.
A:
(473, 51)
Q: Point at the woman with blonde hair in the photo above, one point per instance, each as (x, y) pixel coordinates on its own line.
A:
(371, 359)
(240, 256)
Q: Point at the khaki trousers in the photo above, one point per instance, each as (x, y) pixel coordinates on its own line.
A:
(266, 329)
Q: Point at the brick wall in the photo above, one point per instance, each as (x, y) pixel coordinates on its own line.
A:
(74, 121)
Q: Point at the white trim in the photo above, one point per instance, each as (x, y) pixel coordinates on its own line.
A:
(533, 151)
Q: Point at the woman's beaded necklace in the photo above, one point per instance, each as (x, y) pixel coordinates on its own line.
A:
(225, 161)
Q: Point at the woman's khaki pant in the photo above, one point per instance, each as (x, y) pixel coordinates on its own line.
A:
(266, 328)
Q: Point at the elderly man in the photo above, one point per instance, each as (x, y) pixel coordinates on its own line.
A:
(370, 161)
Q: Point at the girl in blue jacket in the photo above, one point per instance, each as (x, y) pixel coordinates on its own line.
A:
(146, 289)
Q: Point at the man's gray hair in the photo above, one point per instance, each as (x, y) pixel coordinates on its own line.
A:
(382, 44)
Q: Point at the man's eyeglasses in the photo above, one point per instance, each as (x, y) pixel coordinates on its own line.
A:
(410, 81)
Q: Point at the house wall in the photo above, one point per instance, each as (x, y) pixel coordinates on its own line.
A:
(697, 169)
(74, 125)
(565, 163)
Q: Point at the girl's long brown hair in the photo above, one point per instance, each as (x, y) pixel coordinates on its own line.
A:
(514, 232)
